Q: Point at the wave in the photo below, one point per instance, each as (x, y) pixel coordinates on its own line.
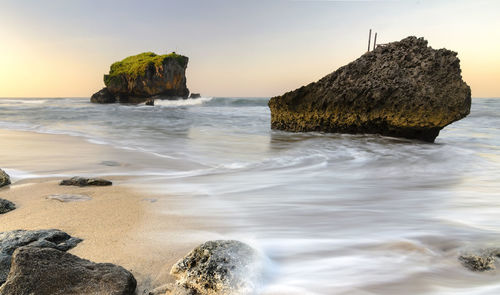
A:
(214, 102)
(23, 101)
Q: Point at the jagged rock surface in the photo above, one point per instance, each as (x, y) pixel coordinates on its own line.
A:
(11, 240)
(218, 268)
(482, 260)
(6, 206)
(4, 178)
(147, 75)
(82, 181)
(403, 89)
(50, 271)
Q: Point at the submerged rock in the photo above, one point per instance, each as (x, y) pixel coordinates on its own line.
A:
(194, 95)
(150, 102)
(218, 267)
(11, 240)
(137, 78)
(82, 181)
(482, 261)
(4, 178)
(66, 198)
(403, 89)
(6, 206)
(50, 271)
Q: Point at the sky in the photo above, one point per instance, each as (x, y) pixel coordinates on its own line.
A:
(237, 48)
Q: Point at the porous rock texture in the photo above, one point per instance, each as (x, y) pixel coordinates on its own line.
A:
(11, 240)
(49, 271)
(402, 89)
(4, 178)
(482, 260)
(221, 267)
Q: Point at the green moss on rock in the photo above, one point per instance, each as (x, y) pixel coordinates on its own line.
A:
(136, 65)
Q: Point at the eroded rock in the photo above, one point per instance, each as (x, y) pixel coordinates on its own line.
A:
(483, 260)
(11, 240)
(103, 96)
(6, 206)
(49, 271)
(82, 181)
(218, 267)
(403, 89)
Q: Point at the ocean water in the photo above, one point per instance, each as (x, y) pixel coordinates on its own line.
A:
(331, 213)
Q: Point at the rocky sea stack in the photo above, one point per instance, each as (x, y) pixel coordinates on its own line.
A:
(402, 89)
(138, 78)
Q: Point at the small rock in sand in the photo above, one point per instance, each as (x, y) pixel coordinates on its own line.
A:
(65, 198)
(6, 206)
(4, 178)
(82, 181)
(110, 163)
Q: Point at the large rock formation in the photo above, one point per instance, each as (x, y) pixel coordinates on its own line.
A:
(403, 89)
(137, 78)
(4, 178)
(218, 268)
(10, 241)
(49, 271)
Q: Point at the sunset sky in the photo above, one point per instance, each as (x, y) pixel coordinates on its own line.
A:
(236, 48)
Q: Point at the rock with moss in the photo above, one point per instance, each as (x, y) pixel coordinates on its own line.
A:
(222, 267)
(4, 178)
(402, 89)
(138, 78)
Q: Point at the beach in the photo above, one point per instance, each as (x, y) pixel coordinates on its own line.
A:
(119, 225)
(395, 214)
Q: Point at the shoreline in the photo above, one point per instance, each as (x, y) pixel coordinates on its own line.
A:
(121, 224)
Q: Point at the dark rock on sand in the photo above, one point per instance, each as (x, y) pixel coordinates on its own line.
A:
(482, 261)
(50, 271)
(402, 89)
(102, 96)
(194, 95)
(6, 206)
(4, 178)
(11, 240)
(218, 267)
(138, 78)
(82, 181)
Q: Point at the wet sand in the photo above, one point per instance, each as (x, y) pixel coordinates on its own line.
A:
(120, 224)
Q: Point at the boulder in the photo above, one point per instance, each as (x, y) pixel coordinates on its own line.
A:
(4, 178)
(50, 271)
(150, 102)
(194, 95)
(137, 78)
(218, 267)
(82, 181)
(6, 206)
(103, 96)
(402, 89)
(11, 240)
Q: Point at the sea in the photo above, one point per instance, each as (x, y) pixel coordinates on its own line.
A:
(329, 213)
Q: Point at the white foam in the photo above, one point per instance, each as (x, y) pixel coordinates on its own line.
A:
(182, 102)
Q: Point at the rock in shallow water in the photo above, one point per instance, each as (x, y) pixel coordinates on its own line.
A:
(4, 178)
(6, 206)
(11, 240)
(484, 260)
(49, 271)
(81, 181)
(218, 267)
(402, 89)
(103, 96)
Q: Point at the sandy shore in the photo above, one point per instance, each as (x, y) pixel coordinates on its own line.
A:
(120, 224)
